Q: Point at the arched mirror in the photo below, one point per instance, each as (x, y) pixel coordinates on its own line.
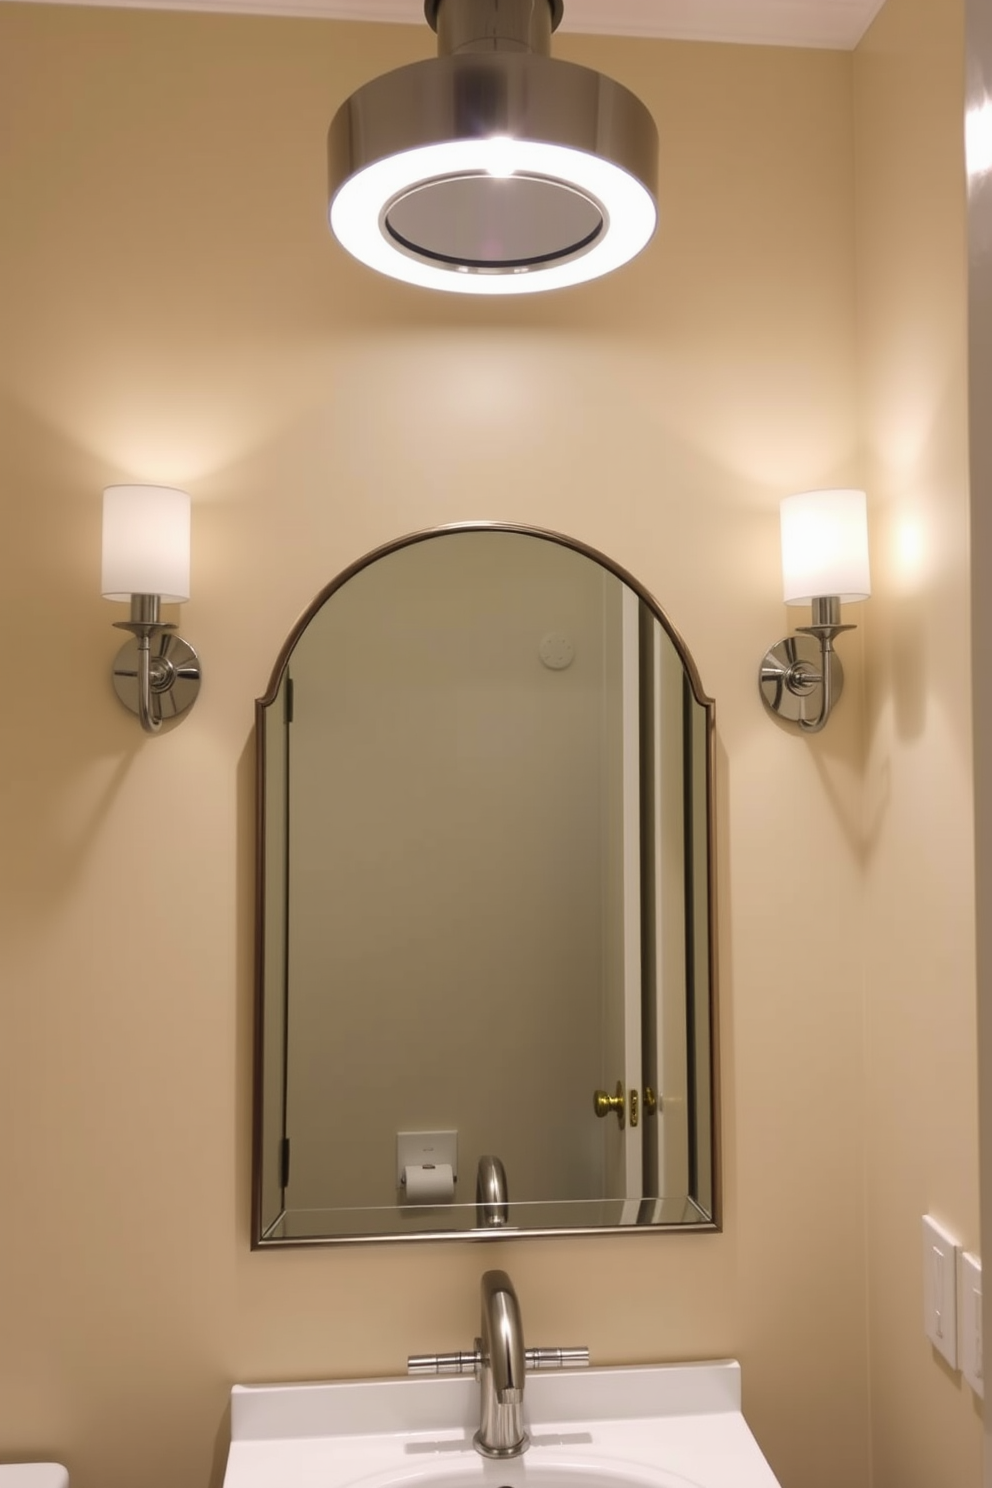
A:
(485, 903)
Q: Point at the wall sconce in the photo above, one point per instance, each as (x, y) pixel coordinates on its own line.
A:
(824, 562)
(146, 562)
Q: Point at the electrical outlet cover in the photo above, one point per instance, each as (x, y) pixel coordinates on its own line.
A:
(970, 1339)
(940, 1310)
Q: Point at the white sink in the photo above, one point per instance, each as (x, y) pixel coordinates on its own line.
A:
(669, 1426)
(523, 1471)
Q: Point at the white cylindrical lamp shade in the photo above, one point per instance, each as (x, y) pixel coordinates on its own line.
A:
(825, 546)
(146, 542)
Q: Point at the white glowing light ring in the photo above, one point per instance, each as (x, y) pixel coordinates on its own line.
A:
(358, 210)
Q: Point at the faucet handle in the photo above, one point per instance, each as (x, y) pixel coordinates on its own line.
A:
(469, 1363)
(556, 1358)
(462, 1363)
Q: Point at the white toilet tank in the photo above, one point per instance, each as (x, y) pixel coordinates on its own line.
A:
(33, 1475)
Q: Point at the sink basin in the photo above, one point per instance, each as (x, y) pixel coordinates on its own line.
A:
(524, 1471)
(666, 1426)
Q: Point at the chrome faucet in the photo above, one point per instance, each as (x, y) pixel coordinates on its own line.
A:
(499, 1361)
(502, 1364)
(491, 1195)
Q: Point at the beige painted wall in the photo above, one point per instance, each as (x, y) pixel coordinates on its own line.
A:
(172, 308)
(919, 895)
(979, 91)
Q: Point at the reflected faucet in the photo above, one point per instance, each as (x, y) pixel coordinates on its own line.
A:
(491, 1194)
(502, 1364)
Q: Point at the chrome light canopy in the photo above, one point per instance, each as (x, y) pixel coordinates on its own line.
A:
(493, 169)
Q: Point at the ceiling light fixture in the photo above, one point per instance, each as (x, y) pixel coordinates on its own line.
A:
(492, 168)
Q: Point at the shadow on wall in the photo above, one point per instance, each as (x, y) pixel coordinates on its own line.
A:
(908, 666)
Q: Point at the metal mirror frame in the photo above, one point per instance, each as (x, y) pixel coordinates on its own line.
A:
(715, 1223)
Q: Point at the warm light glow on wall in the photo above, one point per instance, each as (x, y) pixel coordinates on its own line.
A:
(978, 140)
(909, 552)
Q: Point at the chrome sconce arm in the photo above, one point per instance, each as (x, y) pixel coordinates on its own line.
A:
(145, 560)
(156, 686)
(794, 672)
(824, 560)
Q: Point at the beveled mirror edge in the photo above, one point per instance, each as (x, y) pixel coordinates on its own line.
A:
(713, 1225)
(475, 1237)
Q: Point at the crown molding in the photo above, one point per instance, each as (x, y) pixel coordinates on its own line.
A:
(805, 23)
(836, 24)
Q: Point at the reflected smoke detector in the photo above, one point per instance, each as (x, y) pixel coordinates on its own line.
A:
(493, 169)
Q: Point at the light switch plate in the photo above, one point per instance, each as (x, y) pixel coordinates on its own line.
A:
(940, 1312)
(971, 1322)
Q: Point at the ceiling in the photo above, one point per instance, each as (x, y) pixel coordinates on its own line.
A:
(806, 23)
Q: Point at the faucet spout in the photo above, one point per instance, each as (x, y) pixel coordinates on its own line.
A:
(491, 1195)
(502, 1365)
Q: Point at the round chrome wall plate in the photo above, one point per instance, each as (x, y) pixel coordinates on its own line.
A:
(783, 690)
(175, 675)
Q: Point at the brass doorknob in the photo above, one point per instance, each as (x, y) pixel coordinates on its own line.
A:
(603, 1104)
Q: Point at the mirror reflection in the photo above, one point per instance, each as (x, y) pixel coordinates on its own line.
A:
(485, 983)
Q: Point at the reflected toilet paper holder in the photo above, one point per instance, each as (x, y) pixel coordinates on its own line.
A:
(427, 1166)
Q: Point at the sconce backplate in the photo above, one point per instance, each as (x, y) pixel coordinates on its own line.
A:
(781, 679)
(175, 675)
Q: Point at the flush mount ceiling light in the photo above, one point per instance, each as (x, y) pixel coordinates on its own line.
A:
(492, 168)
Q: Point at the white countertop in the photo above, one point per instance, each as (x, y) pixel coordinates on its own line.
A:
(33, 1475)
(670, 1426)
